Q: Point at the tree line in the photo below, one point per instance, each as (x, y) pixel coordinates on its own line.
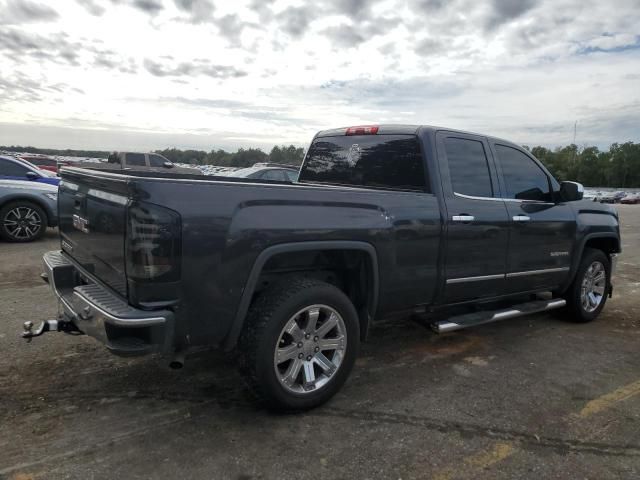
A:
(618, 167)
(244, 157)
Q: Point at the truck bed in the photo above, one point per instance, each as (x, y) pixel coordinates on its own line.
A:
(226, 223)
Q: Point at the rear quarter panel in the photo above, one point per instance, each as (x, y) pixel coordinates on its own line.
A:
(225, 226)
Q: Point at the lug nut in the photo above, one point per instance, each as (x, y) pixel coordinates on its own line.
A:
(315, 339)
(299, 344)
(300, 356)
(309, 358)
(307, 336)
(317, 349)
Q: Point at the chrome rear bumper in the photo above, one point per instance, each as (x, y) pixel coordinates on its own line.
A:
(100, 313)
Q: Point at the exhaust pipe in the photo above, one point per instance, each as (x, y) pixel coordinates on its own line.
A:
(177, 361)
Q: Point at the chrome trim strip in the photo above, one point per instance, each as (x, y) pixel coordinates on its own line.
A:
(499, 199)
(538, 272)
(475, 279)
(471, 197)
(506, 275)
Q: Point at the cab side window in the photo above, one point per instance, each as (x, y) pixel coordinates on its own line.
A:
(468, 167)
(524, 179)
(156, 160)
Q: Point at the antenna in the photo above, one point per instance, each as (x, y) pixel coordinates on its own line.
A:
(575, 128)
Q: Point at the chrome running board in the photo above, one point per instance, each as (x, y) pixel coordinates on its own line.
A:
(480, 318)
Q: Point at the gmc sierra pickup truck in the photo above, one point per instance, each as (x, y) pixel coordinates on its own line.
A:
(463, 228)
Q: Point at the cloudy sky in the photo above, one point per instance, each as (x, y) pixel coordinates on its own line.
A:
(143, 74)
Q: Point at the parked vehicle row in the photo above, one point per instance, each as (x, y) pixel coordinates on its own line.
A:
(612, 197)
(266, 171)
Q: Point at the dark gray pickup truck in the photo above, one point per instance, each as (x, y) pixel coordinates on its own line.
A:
(463, 229)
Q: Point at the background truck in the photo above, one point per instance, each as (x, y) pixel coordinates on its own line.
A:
(153, 162)
(463, 228)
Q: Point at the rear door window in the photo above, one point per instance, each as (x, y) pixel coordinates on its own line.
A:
(135, 159)
(374, 161)
(468, 167)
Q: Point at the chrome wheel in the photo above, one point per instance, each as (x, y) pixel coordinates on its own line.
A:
(22, 223)
(593, 287)
(310, 349)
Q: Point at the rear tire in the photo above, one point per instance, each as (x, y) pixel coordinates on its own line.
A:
(299, 344)
(22, 221)
(588, 293)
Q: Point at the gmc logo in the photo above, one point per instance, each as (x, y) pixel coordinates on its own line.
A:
(81, 224)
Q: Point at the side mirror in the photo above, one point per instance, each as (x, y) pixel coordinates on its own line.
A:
(571, 191)
(32, 175)
(168, 164)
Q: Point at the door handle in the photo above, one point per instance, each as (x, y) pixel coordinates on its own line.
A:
(521, 218)
(463, 218)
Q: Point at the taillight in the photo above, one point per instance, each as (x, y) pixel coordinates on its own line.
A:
(362, 130)
(153, 243)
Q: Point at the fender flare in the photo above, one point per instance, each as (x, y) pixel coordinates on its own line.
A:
(575, 262)
(250, 285)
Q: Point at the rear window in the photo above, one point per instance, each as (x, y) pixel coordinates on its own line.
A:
(375, 161)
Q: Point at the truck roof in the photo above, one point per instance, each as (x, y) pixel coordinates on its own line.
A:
(406, 129)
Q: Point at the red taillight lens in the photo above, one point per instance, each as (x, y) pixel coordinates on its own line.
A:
(362, 130)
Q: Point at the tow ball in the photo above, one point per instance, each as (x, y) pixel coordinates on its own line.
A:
(48, 326)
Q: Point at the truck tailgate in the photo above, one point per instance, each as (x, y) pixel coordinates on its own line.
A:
(92, 226)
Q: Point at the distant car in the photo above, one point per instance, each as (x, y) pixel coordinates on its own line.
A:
(12, 168)
(43, 162)
(27, 208)
(612, 197)
(631, 199)
(267, 171)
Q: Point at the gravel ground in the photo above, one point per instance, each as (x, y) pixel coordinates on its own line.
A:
(534, 397)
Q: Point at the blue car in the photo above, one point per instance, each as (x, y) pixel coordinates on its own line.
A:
(17, 169)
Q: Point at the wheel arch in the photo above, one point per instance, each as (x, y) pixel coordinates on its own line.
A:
(608, 242)
(365, 314)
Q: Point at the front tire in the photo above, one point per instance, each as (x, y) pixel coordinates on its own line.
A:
(587, 294)
(299, 344)
(22, 221)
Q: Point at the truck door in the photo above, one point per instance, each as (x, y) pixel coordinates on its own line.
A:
(542, 232)
(477, 222)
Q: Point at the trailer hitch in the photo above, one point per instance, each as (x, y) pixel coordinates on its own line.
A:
(48, 326)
